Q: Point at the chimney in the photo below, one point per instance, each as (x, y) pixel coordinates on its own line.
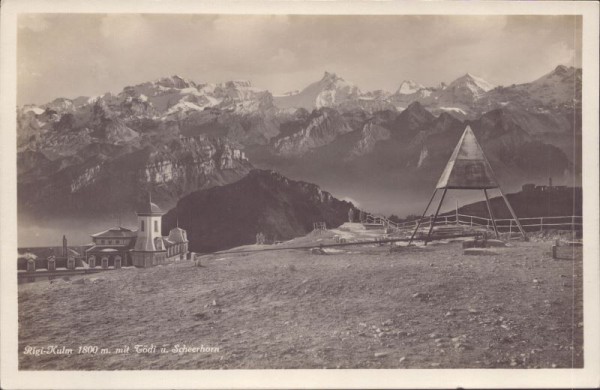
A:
(550, 182)
(65, 254)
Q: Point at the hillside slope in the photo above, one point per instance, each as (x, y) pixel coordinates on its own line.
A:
(263, 201)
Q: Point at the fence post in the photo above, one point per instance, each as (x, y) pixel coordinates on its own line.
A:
(70, 262)
(31, 265)
(51, 264)
(471, 221)
(541, 224)
(510, 230)
(457, 212)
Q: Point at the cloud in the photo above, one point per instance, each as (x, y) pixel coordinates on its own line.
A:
(125, 30)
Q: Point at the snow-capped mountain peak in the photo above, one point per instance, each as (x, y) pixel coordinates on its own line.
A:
(475, 81)
(560, 73)
(175, 82)
(409, 87)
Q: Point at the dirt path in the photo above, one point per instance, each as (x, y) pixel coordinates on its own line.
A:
(358, 308)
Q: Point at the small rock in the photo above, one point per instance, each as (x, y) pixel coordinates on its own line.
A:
(473, 311)
(434, 364)
(200, 316)
(403, 358)
(449, 314)
(381, 354)
(422, 296)
(495, 243)
(214, 302)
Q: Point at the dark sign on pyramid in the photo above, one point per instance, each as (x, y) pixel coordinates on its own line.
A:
(467, 168)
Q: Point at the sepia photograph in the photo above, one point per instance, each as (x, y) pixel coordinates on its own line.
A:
(215, 190)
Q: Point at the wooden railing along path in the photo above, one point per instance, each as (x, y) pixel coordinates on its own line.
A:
(504, 225)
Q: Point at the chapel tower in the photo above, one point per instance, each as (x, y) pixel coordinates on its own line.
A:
(149, 248)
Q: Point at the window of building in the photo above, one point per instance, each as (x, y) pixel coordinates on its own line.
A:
(109, 242)
(101, 241)
(142, 225)
(156, 226)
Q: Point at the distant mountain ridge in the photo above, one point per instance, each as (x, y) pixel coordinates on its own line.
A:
(173, 136)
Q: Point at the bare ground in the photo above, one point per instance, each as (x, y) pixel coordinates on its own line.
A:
(361, 307)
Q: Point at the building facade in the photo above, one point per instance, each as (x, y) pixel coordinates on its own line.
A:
(143, 248)
(113, 246)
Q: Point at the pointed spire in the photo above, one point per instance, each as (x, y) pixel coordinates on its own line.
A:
(147, 207)
(468, 168)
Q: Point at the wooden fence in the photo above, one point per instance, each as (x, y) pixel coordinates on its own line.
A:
(504, 225)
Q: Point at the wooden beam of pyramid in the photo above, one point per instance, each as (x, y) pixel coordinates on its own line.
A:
(468, 168)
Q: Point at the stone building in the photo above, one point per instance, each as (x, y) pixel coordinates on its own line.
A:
(145, 247)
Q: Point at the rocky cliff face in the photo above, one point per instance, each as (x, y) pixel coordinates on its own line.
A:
(99, 184)
(324, 127)
(263, 201)
(370, 135)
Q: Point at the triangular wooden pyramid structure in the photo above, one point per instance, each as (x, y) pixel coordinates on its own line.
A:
(467, 169)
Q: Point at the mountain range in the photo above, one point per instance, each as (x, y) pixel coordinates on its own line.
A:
(89, 157)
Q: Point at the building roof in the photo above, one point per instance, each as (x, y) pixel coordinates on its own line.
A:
(178, 235)
(148, 208)
(143, 244)
(109, 248)
(116, 232)
(468, 168)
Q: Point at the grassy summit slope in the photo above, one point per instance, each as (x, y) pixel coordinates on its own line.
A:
(360, 307)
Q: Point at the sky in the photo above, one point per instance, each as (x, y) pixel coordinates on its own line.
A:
(70, 55)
